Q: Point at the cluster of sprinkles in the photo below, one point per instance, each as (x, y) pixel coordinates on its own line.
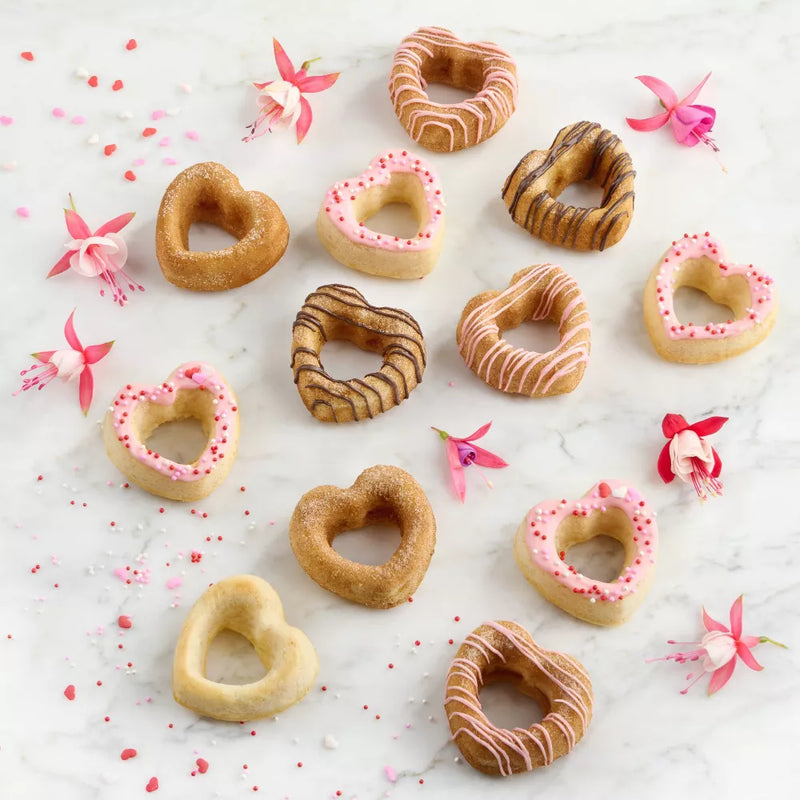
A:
(670, 276)
(188, 377)
(340, 197)
(541, 540)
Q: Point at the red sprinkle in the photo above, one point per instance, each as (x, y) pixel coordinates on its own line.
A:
(130, 176)
(152, 784)
(69, 692)
(149, 132)
(131, 45)
(27, 55)
(202, 766)
(117, 85)
(124, 621)
(92, 81)
(127, 753)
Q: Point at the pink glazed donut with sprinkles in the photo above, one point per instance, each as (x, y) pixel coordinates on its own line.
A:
(699, 261)
(610, 508)
(194, 390)
(394, 176)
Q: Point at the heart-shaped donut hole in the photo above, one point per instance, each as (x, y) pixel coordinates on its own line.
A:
(381, 495)
(373, 544)
(612, 509)
(599, 545)
(232, 659)
(209, 193)
(179, 432)
(405, 190)
(509, 701)
(195, 391)
(250, 607)
(698, 262)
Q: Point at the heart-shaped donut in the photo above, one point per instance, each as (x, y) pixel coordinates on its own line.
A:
(381, 495)
(193, 391)
(549, 529)
(699, 261)
(581, 151)
(394, 176)
(250, 607)
(209, 192)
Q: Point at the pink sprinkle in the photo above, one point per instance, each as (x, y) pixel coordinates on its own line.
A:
(165, 142)
(174, 583)
(193, 135)
(78, 120)
(138, 162)
(59, 112)
(450, 383)
(4, 120)
(158, 114)
(121, 573)
(23, 211)
(170, 160)
(391, 775)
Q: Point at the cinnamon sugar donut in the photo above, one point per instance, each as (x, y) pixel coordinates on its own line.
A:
(505, 651)
(543, 291)
(341, 312)
(436, 55)
(582, 151)
(211, 193)
(381, 495)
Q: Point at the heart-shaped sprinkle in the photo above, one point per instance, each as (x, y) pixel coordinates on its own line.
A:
(117, 85)
(27, 55)
(124, 621)
(131, 44)
(619, 491)
(4, 120)
(130, 175)
(138, 162)
(127, 753)
(149, 132)
(202, 766)
(109, 149)
(170, 160)
(69, 692)
(93, 81)
(152, 785)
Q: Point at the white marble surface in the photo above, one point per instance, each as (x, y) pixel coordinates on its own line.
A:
(576, 61)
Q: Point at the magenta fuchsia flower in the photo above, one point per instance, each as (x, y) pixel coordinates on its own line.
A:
(464, 453)
(690, 123)
(101, 254)
(282, 103)
(689, 456)
(68, 365)
(718, 649)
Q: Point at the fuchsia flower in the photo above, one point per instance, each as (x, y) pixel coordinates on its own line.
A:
(67, 365)
(282, 103)
(718, 649)
(463, 453)
(689, 456)
(101, 254)
(690, 123)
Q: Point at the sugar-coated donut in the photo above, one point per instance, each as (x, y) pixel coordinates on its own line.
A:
(582, 151)
(394, 176)
(209, 192)
(699, 261)
(543, 291)
(505, 651)
(381, 495)
(250, 607)
(436, 55)
(193, 390)
(341, 312)
(610, 508)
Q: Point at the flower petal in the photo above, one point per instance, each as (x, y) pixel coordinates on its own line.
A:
(483, 458)
(115, 225)
(736, 617)
(456, 470)
(69, 332)
(689, 123)
(304, 120)
(317, 83)
(672, 424)
(721, 677)
(663, 91)
(283, 61)
(62, 265)
(717, 468)
(94, 352)
(480, 433)
(77, 228)
(744, 653)
(711, 624)
(43, 355)
(665, 464)
(708, 426)
(86, 390)
(649, 123)
(692, 96)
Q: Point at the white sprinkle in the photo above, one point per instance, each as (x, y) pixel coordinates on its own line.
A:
(125, 115)
(82, 73)
(330, 742)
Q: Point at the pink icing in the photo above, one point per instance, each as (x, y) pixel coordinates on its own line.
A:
(339, 201)
(486, 105)
(192, 376)
(498, 741)
(543, 521)
(762, 301)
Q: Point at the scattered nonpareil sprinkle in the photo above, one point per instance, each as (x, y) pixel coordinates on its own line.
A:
(125, 115)
(109, 149)
(93, 139)
(6, 121)
(130, 176)
(138, 162)
(165, 142)
(23, 211)
(174, 583)
(330, 742)
(127, 753)
(78, 120)
(391, 774)
(157, 115)
(117, 85)
(69, 692)
(131, 44)
(59, 112)
(193, 135)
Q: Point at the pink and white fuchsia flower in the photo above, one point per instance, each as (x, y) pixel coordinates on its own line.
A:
(281, 103)
(717, 650)
(68, 365)
(688, 456)
(101, 254)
